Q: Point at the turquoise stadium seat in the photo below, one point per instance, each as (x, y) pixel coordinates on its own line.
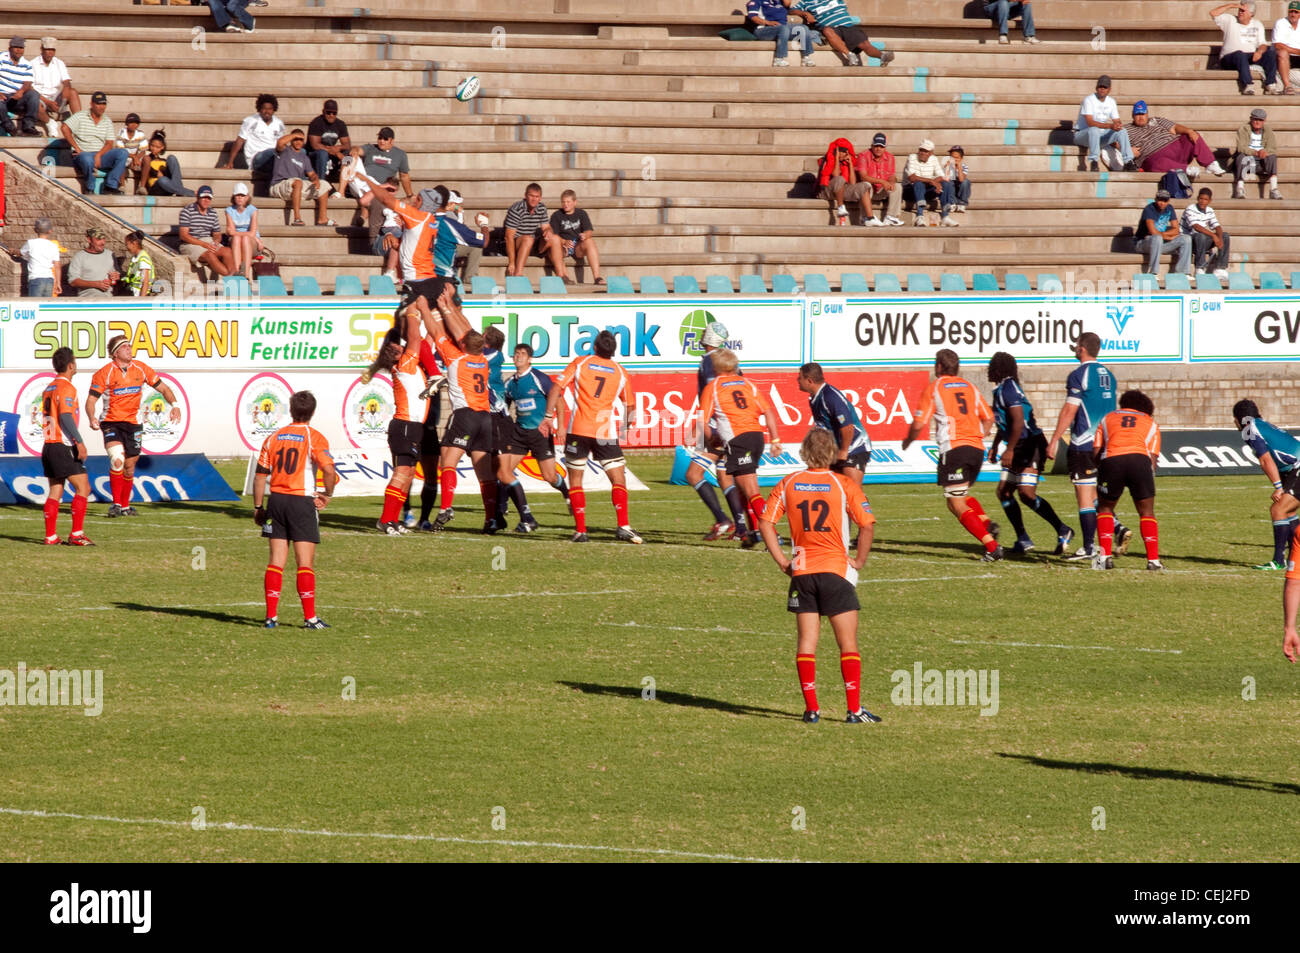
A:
(518, 285)
(951, 282)
(816, 284)
(348, 286)
(1017, 282)
(619, 285)
(851, 282)
(1144, 280)
(984, 281)
(235, 286)
(1271, 280)
(1240, 281)
(685, 285)
(916, 281)
(483, 285)
(653, 285)
(381, 286)
(887, 282)
(718, 285)
(552, 285)
(1295, 280)
(1177, 281)
(271, 286)
(1205, 283)
(784, 285)
(1048, 282)
(752, 285)
(305, 286)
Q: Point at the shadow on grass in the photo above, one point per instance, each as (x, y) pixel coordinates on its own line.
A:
(208, 614)
(35, 540)
(1157, 774)
(679, 698)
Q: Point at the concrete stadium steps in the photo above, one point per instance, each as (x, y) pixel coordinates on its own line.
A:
(87, 47)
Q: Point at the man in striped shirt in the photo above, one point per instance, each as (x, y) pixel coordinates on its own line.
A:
(1163, 145)
(841, 29)
(528, 231)
(16, 90)
(200, 231)
(1209, 240)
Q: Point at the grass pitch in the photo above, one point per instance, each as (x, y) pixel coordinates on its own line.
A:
(499, 711)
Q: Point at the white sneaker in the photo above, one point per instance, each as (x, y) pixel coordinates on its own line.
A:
(1031, 40)
(949, 222)
(1101, 562)
(840, 210)
(1004, 40)
(919, 221)
(959, 209)
(873, 222)
(1201, 271)
(780, 61)
(1239, 190)
(807, 61)
(52, 129)
(1221, 274)
(1193, 171)
(392, 275)
(1215, 169)
(891, 220)
(853, 60)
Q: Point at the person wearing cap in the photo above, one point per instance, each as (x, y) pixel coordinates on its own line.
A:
(132, 140)
(17, 93)
(261, 136)
(241, 229)
(1158, 233)
(293, 179)
(574, 227)
(1210, 243)
(1001, 12)
(53, 85)
(923, 177)
(233, 16)
(92, 271)
(1255, 152)
(200, 231)
(327, 138)
(1244, 46)
(956, 181)
(384, 162)
(1098, 126)
(1163, 145)
(90, 137)
(1286, 43)
(878, 168)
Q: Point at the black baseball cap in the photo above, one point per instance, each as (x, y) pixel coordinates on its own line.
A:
(878, 139)
(98, 97)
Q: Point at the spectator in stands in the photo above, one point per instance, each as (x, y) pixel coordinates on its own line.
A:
(293, 179)
(42, 256)
(841, 29)
(1158, 234)
(53, 85)
(199, 231)
(1162, 145)
(768, 20)
(1098, 126)
(1256, 152)
(1286, 43)
(89, 134)
(1243, 45)
(385, 162)
(956, 181)
(131, 140)
(923, 177)
(17, 95)
(241, 229)
(1001, 12)
(259, 137)
(233, 16)
(529, 232)
(1209, 240)
(573, 226)
(838, 178)
(877, 167)
(161, 173)
(138, 279)
(92, 270)
(327, 138)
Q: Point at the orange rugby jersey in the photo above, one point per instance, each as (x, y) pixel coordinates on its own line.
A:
(419, 229)
(467, 376)
(1127, 431)
(408, 383)
(819, 505)
(123, 388)
(733, 405)
(59, 397)
(291, 456)
(959, 412)
(597, 383)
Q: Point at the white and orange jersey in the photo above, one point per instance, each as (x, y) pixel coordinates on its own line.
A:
(819, 506)
(408, 383)
(959, 411)
(1127, 431)
(123, 388)
(291, 456)
(467, 376)
(419, 229)
(597, 383)
(732, 405)
(59, 397)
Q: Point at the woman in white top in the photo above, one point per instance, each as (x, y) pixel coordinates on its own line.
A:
(356, 185)
(241, 228)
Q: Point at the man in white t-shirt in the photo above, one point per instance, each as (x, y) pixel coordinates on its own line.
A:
(42, 257)
(1286, 43)
(1244, 46)
(259, 137)
(1099, 126)
(53, 85)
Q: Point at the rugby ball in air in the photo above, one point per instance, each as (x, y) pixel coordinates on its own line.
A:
(467, 89)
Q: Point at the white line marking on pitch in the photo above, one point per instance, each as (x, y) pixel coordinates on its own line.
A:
(492, 595)
(428, 838)
(1057, 645)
